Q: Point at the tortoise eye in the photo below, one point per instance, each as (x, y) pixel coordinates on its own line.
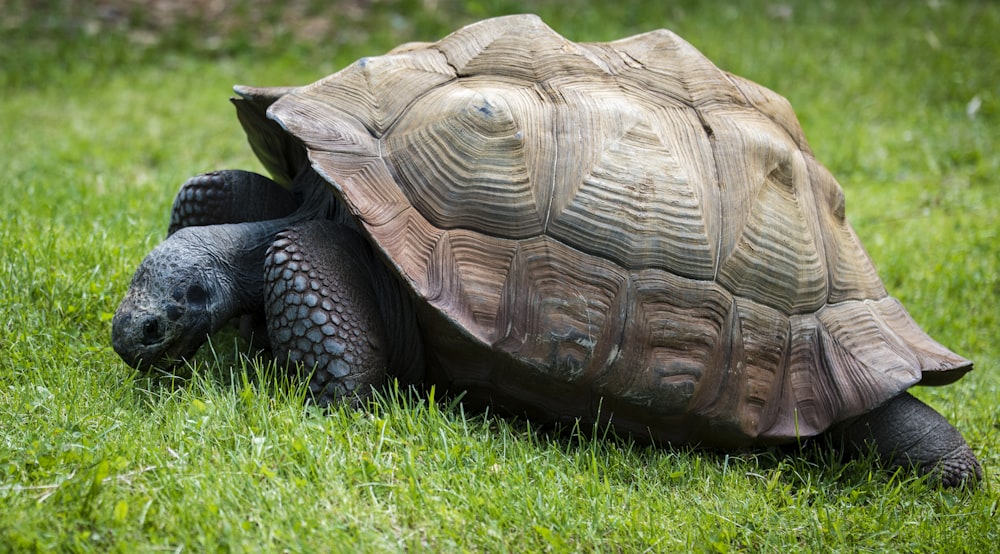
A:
(196, 295)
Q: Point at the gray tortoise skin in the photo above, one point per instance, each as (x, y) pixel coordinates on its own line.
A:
(601, 232)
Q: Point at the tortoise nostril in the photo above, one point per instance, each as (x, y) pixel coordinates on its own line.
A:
(151, 331)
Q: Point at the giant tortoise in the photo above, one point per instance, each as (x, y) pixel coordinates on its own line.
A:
(609, 232)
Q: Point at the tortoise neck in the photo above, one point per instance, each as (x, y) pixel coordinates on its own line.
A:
(239, 261)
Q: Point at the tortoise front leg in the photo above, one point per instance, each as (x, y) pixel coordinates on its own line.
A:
(322, 310)
(908, 433)
(229, 196)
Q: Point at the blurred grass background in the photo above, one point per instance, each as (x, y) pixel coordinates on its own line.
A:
(107, 106)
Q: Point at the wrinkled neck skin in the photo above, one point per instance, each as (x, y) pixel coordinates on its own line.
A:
(235, 259)
(189, 287)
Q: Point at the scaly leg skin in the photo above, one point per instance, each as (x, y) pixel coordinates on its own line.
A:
(229, 196)
(322, 310)
(908, 433)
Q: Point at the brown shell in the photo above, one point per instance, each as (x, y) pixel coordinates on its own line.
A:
(613, 231)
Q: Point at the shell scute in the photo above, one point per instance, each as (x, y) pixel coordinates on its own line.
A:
(777, 259)
(348, 172)
(639, 212)
(467, 272)
(368, 90)
(764, 331)
(530, 51)
(773, 106)
(460, 157)
(666, 65)
(852, 274)
(675, 335)
(565, 321)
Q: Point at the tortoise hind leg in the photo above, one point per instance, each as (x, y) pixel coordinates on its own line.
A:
(229, 196)
(322, 310)
(906, 432)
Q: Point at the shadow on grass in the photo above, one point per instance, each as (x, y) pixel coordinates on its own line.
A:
(809, 471)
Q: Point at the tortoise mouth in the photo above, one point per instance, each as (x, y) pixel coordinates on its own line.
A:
(151, 344)
(173, 356)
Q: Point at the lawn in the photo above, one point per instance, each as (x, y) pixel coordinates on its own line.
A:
(105, 111)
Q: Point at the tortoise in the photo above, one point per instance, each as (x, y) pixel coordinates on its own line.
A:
(576, 232)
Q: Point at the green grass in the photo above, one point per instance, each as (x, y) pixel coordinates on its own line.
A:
(103, 116)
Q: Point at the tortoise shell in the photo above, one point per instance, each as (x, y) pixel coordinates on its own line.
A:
(617, 231)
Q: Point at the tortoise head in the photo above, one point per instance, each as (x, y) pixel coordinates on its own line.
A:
(177, 298)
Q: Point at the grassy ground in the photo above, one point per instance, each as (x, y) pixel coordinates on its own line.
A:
(104, 111)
